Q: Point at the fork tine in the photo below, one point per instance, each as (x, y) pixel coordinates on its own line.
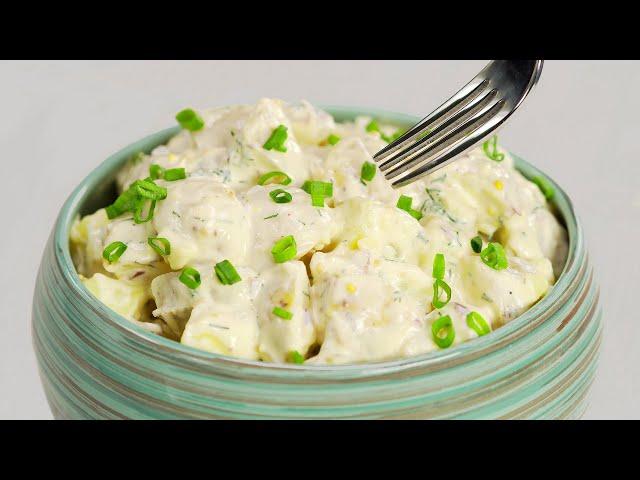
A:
(460, 123)
(449, 124)
(466, 94)
(435, 154)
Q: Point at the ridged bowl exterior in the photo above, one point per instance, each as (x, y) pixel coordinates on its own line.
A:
(96, 364)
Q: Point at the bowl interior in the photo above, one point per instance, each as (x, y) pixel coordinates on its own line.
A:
(98, 190)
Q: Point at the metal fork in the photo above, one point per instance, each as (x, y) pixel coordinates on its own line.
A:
(460, 123)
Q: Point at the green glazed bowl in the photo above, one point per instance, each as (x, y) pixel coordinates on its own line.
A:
(95, 364)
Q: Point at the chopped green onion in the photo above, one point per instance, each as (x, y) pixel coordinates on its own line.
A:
(226, 272)
(112, 212)
(282, 313)
(275, 177)
(476, 244)
(415, 214)
(280, 196)
(491, 150)
(317, 200)
(127, 201)
(155, 171)
(190, 120)
(333, 139)
(136, 158)
(160, 245)
(443, 331)
(313, 186)
(438, 266)
(137, 213)
(424, 134)
(270, 216)
(277, 139)
(545, 187)
(284, 249)
(318, 191)
(397, 134)
(148, 189)
(190, 277)
(437, 285)
(404, 203)
(372, 126)
(478, 324)
(134, 200)
(494, 256)
(296, 357)
(174, 174)
(113, 251)
(368, 171)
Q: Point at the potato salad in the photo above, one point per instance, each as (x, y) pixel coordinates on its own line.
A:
(267, 232)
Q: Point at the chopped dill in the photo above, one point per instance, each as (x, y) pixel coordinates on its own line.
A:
(486, 297)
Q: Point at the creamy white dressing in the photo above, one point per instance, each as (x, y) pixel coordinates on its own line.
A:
(360, 285)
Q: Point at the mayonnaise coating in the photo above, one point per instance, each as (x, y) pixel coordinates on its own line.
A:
(203, 220)
(358, 286)
(312, 227)
(367, 307)
(285, 286)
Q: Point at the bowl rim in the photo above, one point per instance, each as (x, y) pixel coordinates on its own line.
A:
(433, 359)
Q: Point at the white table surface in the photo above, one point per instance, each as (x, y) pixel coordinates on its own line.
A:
(58, 120)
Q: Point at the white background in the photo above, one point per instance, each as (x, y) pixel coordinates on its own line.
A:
(58, 120)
